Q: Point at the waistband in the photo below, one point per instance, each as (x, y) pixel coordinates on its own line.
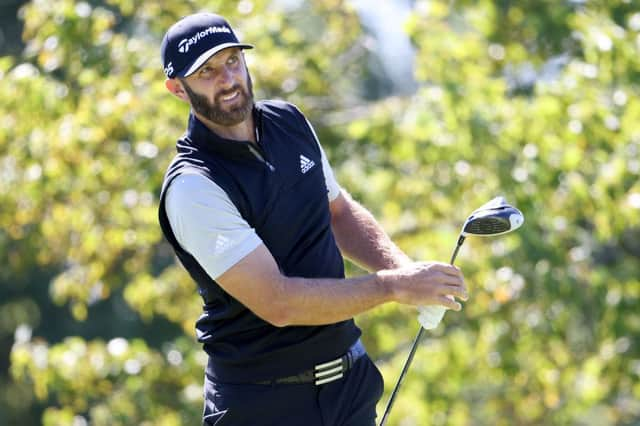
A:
(325, 372)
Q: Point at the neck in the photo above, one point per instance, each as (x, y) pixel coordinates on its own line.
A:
(243, 131)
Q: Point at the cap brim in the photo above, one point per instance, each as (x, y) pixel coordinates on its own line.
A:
(206, 55)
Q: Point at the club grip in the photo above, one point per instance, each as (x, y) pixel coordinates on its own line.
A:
(430, 316)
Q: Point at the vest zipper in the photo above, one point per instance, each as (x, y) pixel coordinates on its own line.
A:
(261, 158)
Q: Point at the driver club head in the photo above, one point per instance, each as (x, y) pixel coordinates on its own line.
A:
(496, 217)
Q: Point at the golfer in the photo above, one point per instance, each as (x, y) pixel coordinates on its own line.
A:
(255, 215)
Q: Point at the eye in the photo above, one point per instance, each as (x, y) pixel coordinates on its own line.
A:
(206, 71)
(232, 60)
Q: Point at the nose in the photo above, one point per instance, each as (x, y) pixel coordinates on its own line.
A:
(226, 78)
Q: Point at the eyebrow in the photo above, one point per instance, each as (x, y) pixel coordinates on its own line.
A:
(216, 60)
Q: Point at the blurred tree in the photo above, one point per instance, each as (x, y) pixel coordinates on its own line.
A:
(537, 101)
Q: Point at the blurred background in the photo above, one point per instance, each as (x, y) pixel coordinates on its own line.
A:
(426, 108)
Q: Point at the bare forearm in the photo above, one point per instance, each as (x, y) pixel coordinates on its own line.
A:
(324, 301)
(362, 239)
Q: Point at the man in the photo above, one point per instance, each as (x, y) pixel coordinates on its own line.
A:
(254, 213)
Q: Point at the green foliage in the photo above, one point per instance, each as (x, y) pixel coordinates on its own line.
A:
(548, 336)
(537, 101)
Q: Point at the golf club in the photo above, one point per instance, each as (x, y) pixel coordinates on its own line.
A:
(493, 218)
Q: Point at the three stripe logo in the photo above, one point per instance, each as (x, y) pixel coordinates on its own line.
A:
(329, 371)
(305, 164)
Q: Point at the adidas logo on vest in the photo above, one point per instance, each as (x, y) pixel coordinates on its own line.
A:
(306, 164)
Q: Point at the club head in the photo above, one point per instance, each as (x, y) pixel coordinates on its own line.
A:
(494, 218)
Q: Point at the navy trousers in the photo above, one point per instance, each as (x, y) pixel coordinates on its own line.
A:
(349, 401)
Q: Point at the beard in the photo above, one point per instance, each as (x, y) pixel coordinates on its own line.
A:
(214, 112)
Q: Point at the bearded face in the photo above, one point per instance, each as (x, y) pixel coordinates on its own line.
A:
(229, 107)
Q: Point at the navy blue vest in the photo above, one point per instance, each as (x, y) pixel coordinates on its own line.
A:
(279, 189)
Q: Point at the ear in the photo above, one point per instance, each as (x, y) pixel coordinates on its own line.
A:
(175, 87)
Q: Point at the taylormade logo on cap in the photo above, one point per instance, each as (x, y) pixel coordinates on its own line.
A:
(192, 40)
(183, 46)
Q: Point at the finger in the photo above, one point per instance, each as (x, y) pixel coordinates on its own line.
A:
(459, 292)
(451, 280)
(449, 303)
(447, 269)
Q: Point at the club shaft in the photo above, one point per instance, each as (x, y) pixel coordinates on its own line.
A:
(402, 375)
(461, 239)
(414, 347)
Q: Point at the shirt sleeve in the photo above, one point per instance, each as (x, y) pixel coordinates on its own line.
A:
(207, 224)
(333, 188)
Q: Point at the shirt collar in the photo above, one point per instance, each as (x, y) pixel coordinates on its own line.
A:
(202, 137)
